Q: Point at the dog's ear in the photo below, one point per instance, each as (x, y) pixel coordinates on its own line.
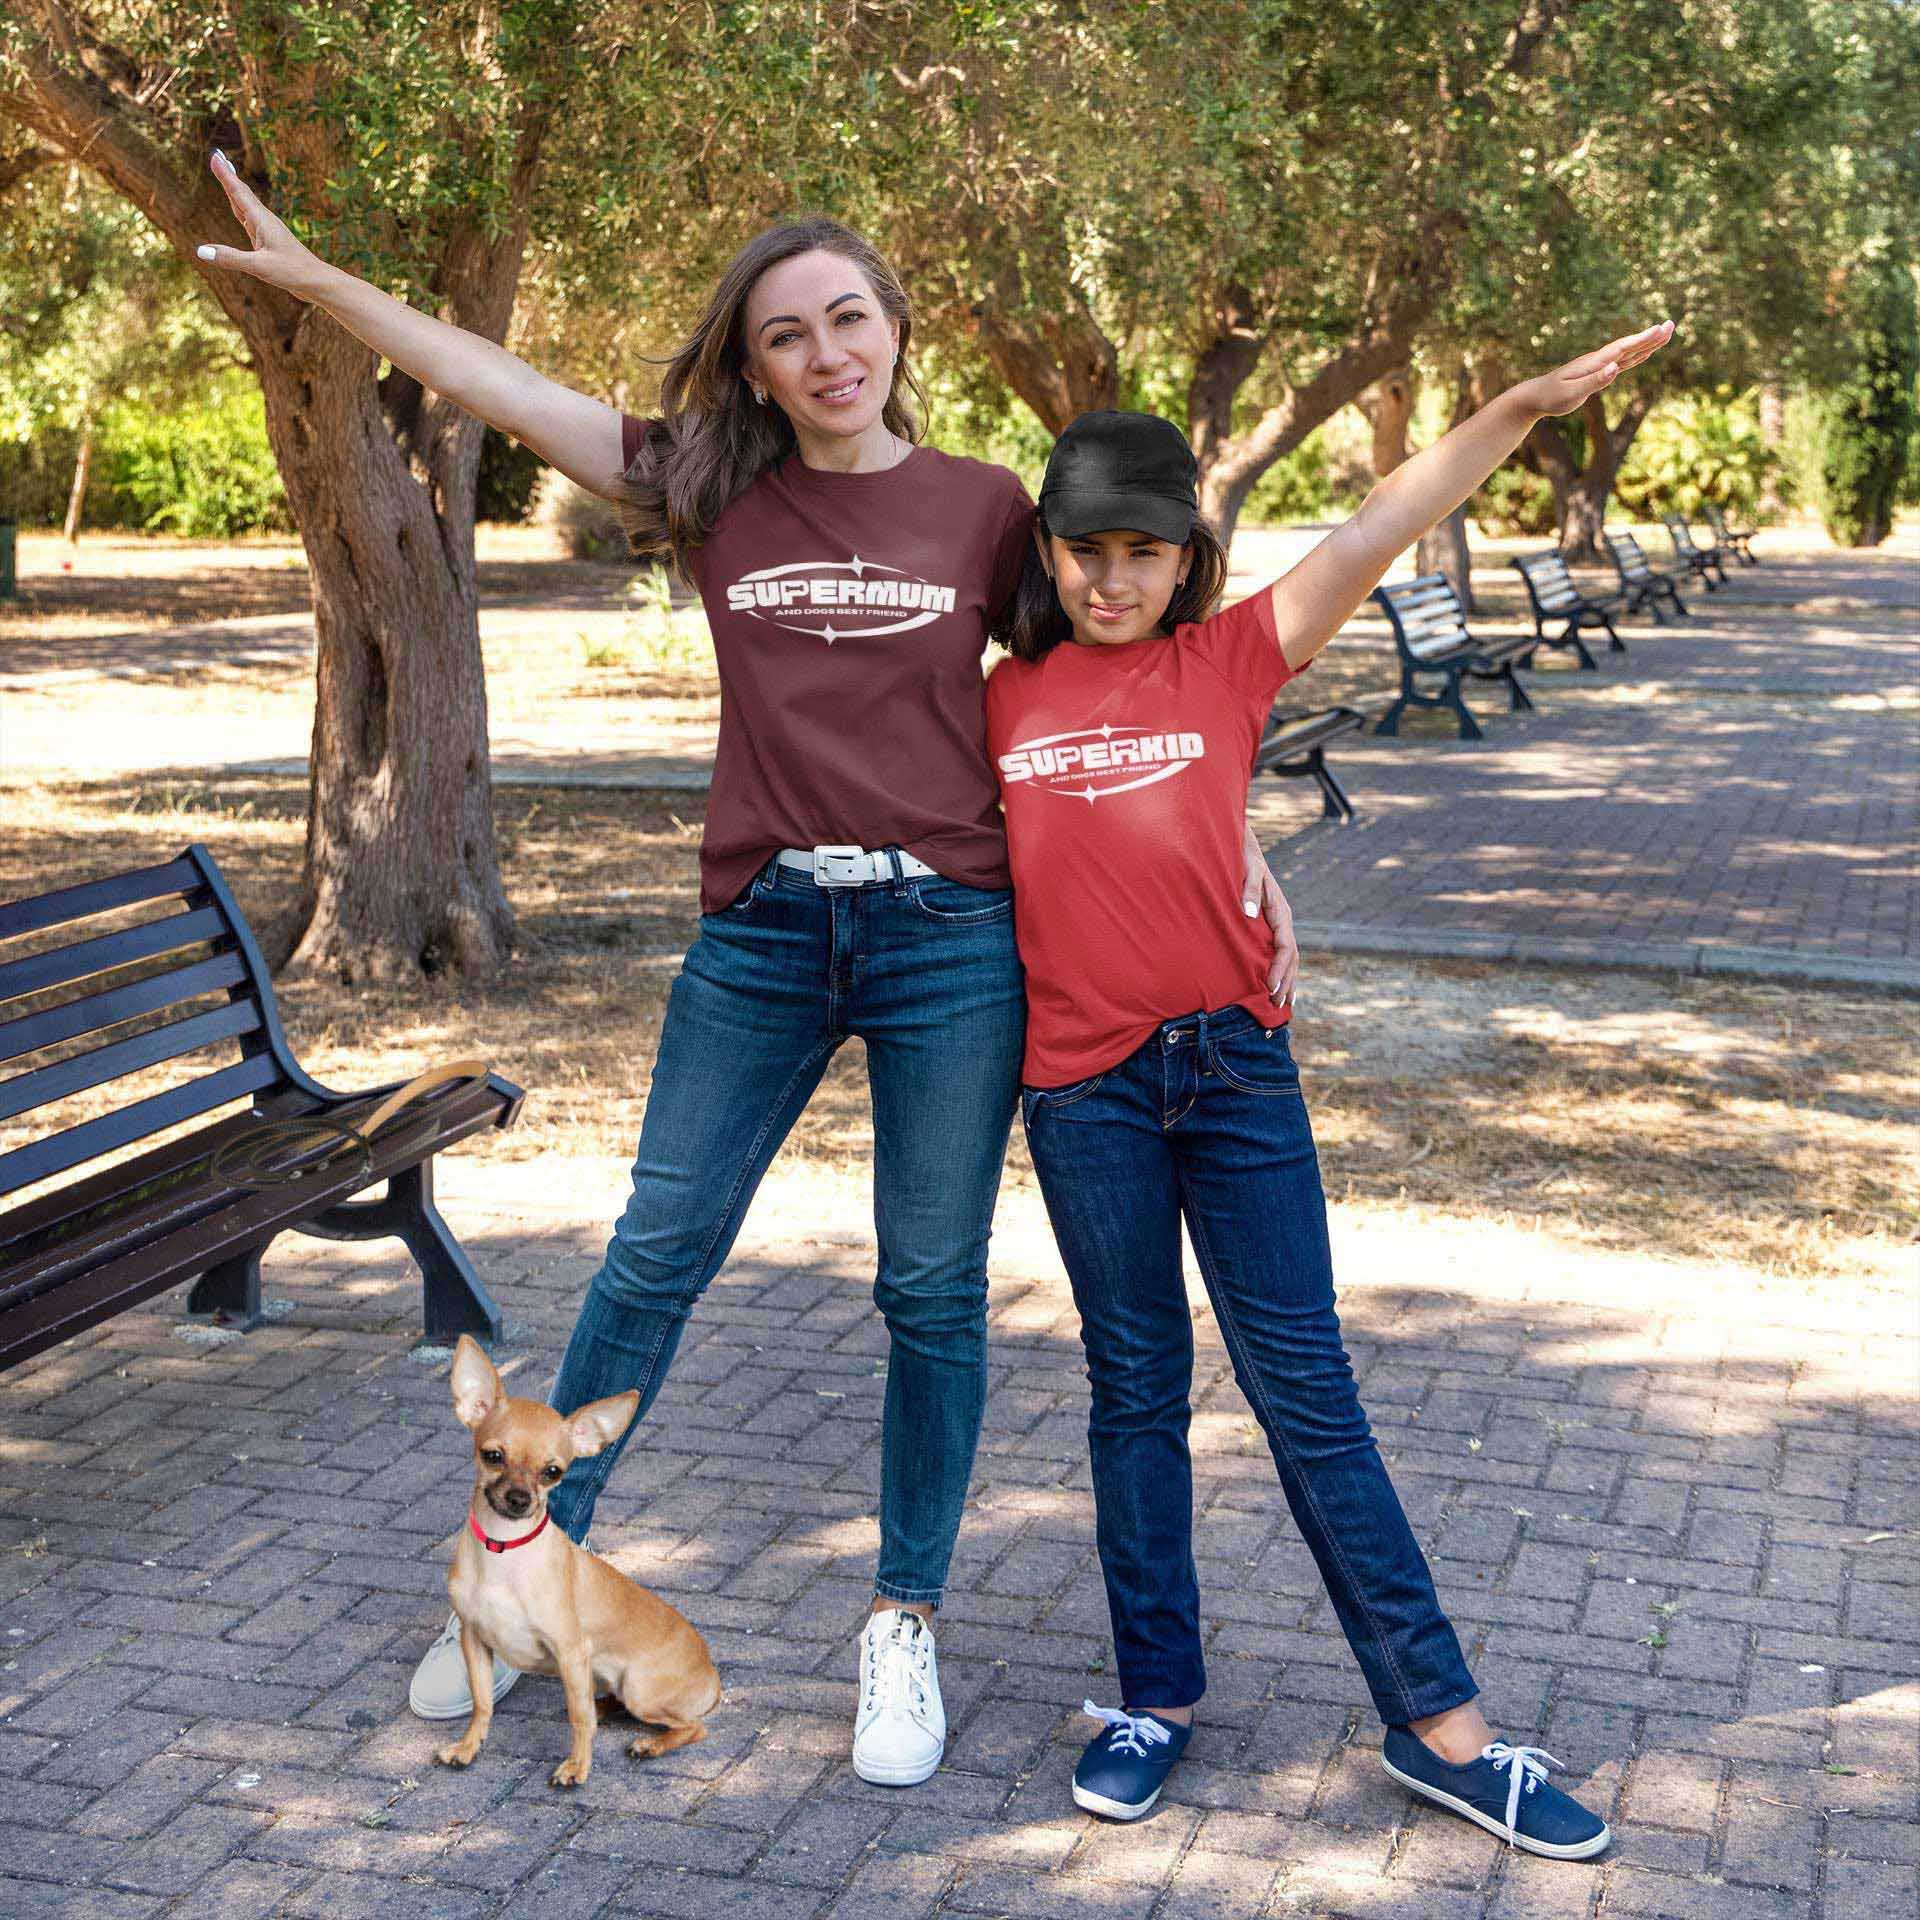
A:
(476, 1386)
(601, 1422)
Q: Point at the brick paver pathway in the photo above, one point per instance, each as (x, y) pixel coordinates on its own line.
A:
(1671, 1509)
(1749, 780)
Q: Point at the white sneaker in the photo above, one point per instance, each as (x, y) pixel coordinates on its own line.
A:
(900, 1730)
(440, 1690)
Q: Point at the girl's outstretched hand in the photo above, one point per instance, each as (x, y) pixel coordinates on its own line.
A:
(1568, 388)
(277, 257)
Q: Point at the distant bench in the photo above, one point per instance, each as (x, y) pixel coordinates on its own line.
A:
(1644, 585)
(1554, 596)
(1431, 637)
(1293, 745)
(77, 1255)
(1703, 562)
(1734, 540)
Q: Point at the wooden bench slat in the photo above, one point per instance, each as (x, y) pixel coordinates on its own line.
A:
(94, 1011)
(43, 910)
(61, 1078)
(188, 1191)
(40, 1159)
(56, 1312)
(61, 966)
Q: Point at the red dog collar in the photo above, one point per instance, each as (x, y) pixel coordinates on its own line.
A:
(500, 1546)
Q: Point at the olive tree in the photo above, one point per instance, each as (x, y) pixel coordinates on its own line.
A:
(418, 145)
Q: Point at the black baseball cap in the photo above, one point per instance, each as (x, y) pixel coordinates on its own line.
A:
(1112, 469)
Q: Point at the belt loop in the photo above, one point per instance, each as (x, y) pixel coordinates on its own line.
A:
(899, 872)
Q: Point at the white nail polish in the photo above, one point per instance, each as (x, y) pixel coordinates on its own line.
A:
(205, 253)
(1252, 907)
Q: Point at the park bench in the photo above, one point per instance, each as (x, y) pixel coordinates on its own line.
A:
(1430, 634)
(1644, 585)
(80, 1253)
(1734, 540)
(1293, 744)
(1554, 596)
(1704, 561)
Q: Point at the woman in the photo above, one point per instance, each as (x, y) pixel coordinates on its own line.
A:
(1159, 1083)
(853, 875)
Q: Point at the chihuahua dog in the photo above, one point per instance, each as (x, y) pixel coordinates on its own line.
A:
(523, 1590)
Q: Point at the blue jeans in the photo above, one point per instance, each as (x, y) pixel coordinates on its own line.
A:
(1206, 1120)
(925, 971)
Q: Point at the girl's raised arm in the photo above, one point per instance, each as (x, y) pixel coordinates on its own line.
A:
(1314, 599)
(568, 430)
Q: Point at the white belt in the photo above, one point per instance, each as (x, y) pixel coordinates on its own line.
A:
(847, 866)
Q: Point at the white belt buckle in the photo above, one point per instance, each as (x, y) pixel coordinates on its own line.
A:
(851, 874)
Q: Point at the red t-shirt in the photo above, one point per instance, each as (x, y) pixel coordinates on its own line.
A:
(1123, 772)
(849, 615)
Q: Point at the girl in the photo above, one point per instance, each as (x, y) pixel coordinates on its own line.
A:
(853, 875)
(1159, 1083)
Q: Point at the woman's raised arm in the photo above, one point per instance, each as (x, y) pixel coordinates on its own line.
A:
(568, 430)
(1313, 600)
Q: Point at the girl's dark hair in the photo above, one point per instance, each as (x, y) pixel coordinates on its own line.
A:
(1033, 622)
(712, 440)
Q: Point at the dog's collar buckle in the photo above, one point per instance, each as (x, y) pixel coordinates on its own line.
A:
(500, 1546)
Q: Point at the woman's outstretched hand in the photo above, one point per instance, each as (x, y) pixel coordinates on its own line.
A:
(1569, 387)
(277, 257)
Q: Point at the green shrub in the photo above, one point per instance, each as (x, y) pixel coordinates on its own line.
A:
(1696, 449)
(206, 471)
(1868, 421)
(1300, 486)
(1513, 501)
(509, 476)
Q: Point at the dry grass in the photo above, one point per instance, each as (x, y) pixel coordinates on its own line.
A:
(1672, 1116)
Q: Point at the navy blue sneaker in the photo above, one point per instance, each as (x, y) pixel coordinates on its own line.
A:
(1125, 1766)
(1505, 1790)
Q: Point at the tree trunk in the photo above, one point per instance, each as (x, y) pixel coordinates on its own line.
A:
(1443, 548)
(401, 874)
(1388, 408)
(82, 465)
(1580, 494)
(1232, 465)
(1061, 366)
(1773, 430)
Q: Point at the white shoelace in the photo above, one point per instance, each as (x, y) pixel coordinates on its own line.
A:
(1527, 1767)
(897, 1664)
(1132, 1733)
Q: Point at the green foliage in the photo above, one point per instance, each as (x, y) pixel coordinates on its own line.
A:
(508, 479)
(1695, 449)
(205, 470)
(1297, 487)
(1513, 501)
(976, 416)
(1868, 420)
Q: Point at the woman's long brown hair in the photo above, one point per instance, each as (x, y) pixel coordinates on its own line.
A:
(712, 439)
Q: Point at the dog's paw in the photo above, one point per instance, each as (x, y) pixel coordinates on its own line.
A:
(570, 1774)
(456, 1753)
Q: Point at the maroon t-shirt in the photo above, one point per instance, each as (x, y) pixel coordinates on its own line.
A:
(849, 615)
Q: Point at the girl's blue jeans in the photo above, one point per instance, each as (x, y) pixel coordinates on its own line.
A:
(924, 970)
(1205, 1121)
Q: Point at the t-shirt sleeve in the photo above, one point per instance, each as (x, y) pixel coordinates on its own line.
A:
(1243, 645)
(633, 434)
(1010, 546)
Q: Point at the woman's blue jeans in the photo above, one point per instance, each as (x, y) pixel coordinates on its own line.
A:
(1206, 1121)
(925, 971)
